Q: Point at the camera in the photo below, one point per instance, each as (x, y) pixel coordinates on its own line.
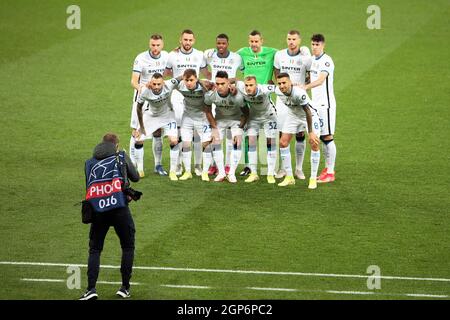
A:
(132, 194)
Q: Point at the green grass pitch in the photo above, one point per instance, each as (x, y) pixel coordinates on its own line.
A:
(61, 90)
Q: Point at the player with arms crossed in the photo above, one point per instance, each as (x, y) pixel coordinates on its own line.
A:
(232, 113)
(145, 65)
(186, 57)
(322, 94)
(262, 115)
(300, 115)
(295, 61)
(222, 59)
(158, 114)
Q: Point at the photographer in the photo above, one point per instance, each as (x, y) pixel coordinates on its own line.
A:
(108, 192)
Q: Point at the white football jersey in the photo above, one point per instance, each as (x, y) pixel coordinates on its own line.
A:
(179, 61)
(295, 101)
(158, 104)
(146, 65)
(228, 107)
(194, 100)
(295, 66)
(323, 95)
(230, 64)
(260, 105)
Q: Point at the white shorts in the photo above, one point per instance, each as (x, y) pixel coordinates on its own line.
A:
(327, 120)
(294, 124)
(282, 110)
(233, 125)
(269, 125)
(166, 122)
(177, 101)
(189, 125)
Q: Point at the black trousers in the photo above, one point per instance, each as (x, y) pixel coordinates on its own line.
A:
(123, 224)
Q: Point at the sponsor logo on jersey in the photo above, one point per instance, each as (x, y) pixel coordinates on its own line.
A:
(256, 63)
(221, 67)
(286, 68)
(186, 66)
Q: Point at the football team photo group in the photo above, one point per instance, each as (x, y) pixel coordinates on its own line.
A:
(201, 117)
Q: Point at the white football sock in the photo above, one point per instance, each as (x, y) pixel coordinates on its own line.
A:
(330, 156)
(235, 157)
(285, 154)
(139, 156)
(132, 151)
(253, 158)
(157, 150)
(299, 154)
(207, 159)
(271, 161)
(218, 158)
(315, 160)
(229, 148)
(198, 154)
(187, 155)
(174, 155)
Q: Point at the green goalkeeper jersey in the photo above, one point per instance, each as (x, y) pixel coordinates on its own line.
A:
(259, 65)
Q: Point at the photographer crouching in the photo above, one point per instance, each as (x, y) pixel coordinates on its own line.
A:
(108, 192)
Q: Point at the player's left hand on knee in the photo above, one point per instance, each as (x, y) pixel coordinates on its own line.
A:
(313, 140)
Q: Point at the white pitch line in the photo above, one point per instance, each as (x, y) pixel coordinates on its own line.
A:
(185, 286)
(426, 295)
(42, 280)
(420, 295)
(350, 292)
(272, 289)
(63, 280)
(304, 274)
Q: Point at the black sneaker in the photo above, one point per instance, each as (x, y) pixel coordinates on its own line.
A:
(160, 170)
(245, 172)
(123, 293)
(89, 295)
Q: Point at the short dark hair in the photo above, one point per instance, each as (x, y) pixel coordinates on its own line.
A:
(255, 33)
(283, 75)
(222, 74)
(292, 32)
(222, 36)
(188, 31)
(318, 37)
(111, 137)
(156, 36)
(189, 72)
(157, 75)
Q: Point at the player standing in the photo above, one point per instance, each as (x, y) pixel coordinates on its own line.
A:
(257, 60)
(158, 114)
(232, 113)
(295, 61)
(262, 115)
(300, 116)
(186, 57)
(222, 59)
(194, 120)
(145, 65)
(322, 93)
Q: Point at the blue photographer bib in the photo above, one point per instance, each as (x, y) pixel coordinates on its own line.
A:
(104, 183)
